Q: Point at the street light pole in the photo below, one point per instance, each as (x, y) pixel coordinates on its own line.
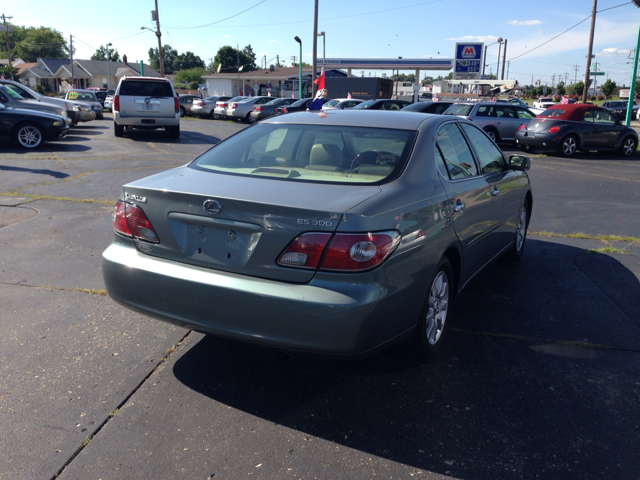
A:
(297, 39)
(499, 50)
(321, 34)
(108, 67)
(158, 34)
(634, 73)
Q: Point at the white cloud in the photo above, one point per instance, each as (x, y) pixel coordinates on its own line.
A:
(612, 51)
(274, 41)
(226, 36)
(474, 38)
(524, 22)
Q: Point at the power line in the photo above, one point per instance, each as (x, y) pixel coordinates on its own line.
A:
(219, 21)
(570, 28)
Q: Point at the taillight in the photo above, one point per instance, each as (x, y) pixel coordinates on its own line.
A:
(131, 221)
(305, 251)
(521, 126)
(359, 251)
(284, 110)
(176, 104)
(234, 105)
(257, 109)
(346, 252)
(116, 103)
(554, 129)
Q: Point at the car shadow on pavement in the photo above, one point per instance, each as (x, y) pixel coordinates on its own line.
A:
(40, 171)
(161, 136)
(499, 402)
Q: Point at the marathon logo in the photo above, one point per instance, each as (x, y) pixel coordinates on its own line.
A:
(468, 52)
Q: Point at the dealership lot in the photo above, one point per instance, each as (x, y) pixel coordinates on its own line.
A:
(540, 377)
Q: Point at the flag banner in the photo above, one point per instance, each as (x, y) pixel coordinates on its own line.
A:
(565, 100)
(435, 97)
(348, 94)
(317, 102)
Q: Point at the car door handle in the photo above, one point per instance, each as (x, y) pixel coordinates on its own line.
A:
(458, 208)
(495, 192)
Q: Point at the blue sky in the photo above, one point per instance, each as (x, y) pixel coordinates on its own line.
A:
(382, 29)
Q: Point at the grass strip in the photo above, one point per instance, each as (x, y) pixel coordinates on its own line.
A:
(584, 236)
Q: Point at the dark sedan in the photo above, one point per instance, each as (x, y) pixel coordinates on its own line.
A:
(261, 112)
(30, 127)
(382, 104)
(428, 107)
(298, 106)
(619, 108)
(572, 127)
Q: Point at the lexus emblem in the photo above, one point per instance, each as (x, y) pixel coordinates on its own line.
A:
(212, 207)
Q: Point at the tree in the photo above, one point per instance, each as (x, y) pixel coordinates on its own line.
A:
(31, 43)
(560, 90)
(578, 88)
(248, 51)
(228, 57)
(190, 75)
(608, 87)
(168, 56)
(102, 54)
(186, 61)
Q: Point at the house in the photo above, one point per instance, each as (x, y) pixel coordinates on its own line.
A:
(54, 74)
(276, 81)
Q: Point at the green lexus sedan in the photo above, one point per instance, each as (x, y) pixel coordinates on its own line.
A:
(335, 233)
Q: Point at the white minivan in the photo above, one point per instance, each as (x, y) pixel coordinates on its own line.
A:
(146, 103)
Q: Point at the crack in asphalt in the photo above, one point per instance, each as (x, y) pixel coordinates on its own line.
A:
(115, 411)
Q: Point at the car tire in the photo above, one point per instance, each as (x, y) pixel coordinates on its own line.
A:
(174, 132)
(434, 320)
(568, 146)
(628, 146)
(215, 116)
(118, 130)
(252, 119)
(493, 134)
(29, 135)
(524, 215)
(182, 112)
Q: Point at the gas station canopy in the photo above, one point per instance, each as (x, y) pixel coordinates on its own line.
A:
(390, 63)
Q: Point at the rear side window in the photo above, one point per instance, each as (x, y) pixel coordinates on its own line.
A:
(456, 152)
(140, 88)
(456, 109)
(485, 111)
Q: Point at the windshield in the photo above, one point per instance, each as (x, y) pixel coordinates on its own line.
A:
(365, 104)
(311, 153)
(459, 109)
(13, 93)
(82, 96)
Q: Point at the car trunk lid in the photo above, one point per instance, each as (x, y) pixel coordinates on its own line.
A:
(256, 219)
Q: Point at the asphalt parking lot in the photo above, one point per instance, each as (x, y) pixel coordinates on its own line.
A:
(540, 377)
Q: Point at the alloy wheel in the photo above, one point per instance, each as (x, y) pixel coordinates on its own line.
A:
(628, 147)
(569, 146)
(438, 304)
(521, 230)
(29, 136)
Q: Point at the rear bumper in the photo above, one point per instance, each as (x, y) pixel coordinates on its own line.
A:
(77, 117)
(321, 317)
(146, 122)
(538, 142)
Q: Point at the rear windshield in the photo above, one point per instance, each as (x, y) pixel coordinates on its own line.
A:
(461, 109)
(275, 101)
(552, 112)
(331, 103)
(365, 104)
(312, 153)
(140, 88)
(416, 107)
(82, 96)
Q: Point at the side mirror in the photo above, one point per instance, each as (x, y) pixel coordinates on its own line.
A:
(519, 162)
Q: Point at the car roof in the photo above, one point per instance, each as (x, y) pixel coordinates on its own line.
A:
(572, 111)
(356, 118)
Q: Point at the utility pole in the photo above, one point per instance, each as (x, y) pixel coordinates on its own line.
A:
(595, 79)
(73, 81)
(586, 73)
(314, 87)
(293, 60)
(504, 57)
(484, 60)
(508, 66)
(6, 39)
(575, 76)
(278, 60)
(158, 34)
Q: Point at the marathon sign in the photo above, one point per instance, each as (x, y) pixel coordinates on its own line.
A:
(468, 61)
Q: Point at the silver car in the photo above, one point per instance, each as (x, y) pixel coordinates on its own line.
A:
(205, 106)
(89, 97)
(220, 110)
(334, 234)
(10, 98)
(242, 109)
(500, 120)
